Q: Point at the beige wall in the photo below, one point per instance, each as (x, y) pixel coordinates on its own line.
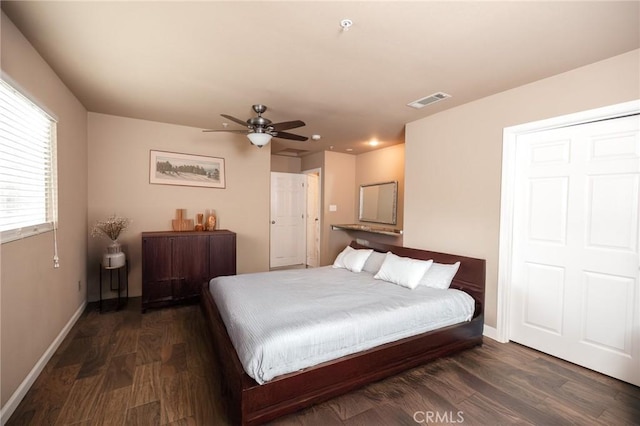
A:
(313, 161)
(453, 159)
(285, 164)
(338, 172)
(119, 183)
(338, 185)
(382, 165)
(38, 300)
(342, 174)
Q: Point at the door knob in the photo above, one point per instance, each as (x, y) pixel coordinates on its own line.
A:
(273, 222)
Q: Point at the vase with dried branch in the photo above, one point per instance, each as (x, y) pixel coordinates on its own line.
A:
(111, 228)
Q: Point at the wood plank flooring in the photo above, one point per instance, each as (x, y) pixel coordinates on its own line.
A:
(125, 368)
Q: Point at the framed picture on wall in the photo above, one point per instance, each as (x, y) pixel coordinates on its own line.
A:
(172, 168)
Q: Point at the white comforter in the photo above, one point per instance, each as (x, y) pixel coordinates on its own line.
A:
(284, 321)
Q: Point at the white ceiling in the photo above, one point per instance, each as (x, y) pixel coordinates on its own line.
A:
(188, 62)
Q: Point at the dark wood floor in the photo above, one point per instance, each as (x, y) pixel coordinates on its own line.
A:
(125, 368)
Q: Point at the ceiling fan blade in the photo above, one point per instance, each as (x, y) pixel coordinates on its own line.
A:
(286, 125)
(228, 131)
(237, 120)
(285, 135)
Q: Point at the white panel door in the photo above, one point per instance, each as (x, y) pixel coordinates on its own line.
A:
(288, 207)
(313, 220)
(575, 291)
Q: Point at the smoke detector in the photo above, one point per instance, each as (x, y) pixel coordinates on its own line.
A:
(346, 24)
(433, 98)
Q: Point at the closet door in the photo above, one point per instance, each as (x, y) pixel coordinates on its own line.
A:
(575, 291)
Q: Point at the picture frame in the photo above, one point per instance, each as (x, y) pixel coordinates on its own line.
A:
(173, 168)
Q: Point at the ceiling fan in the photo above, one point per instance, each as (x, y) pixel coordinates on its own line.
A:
(260, 130)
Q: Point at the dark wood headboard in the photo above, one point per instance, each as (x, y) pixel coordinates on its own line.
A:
(470, 277)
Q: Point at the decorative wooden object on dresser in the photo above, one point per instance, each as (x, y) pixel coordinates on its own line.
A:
(175, 265)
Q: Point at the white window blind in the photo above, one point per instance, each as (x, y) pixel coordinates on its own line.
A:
(28, 187)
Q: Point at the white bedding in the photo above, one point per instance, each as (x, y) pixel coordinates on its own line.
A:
(283, 321)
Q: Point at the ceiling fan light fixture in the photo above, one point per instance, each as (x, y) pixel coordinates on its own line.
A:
(259, 139)
(260, 130)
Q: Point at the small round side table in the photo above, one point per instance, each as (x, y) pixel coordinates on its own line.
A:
(122, 284)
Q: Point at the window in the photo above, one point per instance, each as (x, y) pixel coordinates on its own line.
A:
(28, 187)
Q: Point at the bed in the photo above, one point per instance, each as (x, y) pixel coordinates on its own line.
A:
(249, 402)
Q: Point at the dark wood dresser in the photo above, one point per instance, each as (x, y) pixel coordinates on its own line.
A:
(175, 265)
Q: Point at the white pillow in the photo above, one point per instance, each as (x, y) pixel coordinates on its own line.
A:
(352, 259)
(374, 262)
(403, 271)
(440, 275)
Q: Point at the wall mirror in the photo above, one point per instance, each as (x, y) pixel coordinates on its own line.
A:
(378, 202)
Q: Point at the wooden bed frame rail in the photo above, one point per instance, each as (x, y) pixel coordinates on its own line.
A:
(249, 403)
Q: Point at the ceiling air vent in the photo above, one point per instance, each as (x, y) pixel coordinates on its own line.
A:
(420, 103)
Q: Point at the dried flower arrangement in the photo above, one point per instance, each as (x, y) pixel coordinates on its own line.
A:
(111, 228)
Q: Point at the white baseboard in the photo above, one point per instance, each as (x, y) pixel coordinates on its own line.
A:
(7, 410)
(490, 332)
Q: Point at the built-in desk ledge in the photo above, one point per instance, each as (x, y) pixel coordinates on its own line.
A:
(368, 228)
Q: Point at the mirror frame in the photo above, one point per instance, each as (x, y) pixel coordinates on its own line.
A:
(394, 211)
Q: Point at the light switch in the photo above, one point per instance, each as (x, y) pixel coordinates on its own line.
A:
(333, 208)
